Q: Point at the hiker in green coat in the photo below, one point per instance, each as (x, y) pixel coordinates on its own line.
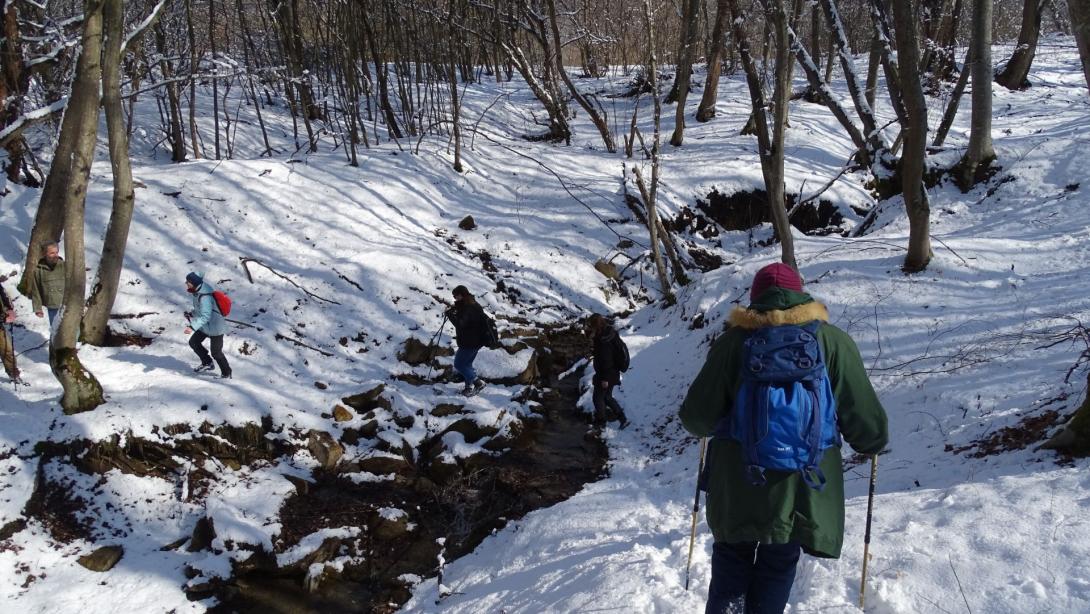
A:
(47, 283)
(759, 530)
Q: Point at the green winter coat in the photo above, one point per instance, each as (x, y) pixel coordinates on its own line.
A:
(785, 509)
(47, 287)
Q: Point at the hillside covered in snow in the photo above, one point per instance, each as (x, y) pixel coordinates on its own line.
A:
(340, 468)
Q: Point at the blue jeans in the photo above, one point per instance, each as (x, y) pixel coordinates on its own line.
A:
(52, 313)
(751, 578)
(463, 364)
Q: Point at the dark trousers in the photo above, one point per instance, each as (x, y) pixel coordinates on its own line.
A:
(197, 343)
(605, 406)
(748, 578)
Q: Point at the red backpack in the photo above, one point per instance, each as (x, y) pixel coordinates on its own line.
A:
(223, 303)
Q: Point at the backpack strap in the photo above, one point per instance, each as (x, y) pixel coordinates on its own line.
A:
(811, 473)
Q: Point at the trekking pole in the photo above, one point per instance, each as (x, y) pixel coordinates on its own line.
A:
(431, 343)
(11, 349)
(696, 510)
(866, 536)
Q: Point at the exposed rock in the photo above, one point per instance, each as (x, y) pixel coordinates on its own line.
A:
(383, 465)
(446, 409)
(102, 559)
(608, 269)
(467, 223)
(414, 352)
(341, 413)
(302, 486)
(470, 430)
(203, 534)
(321, 385)
(391, 528)
(325, 449)
(367, 401)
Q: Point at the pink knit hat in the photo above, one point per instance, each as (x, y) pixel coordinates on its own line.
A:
(777, 274)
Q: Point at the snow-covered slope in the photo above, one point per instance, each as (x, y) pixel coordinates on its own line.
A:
(350, 262)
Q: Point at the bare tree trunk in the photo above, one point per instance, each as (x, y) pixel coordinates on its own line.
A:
(851, 76)
(597, 116)
(955, 101)
(1079, 10)
(684, 69)
(706, 110)
(215, 81)
(104, 291)
(874, 62)
(14, 83)
(82, 392)
(780, 98)
(652, 193)
(770, 143)
(1015, 75)
(194, 61)
(979, 155)
(914, 131)
(176, 130)
(453, 80)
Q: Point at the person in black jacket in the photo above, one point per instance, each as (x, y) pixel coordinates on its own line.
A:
(471, 331)
(7, 344)
(607, 370)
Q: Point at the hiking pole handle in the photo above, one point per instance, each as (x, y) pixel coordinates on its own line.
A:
(696, 510)
(866, 534)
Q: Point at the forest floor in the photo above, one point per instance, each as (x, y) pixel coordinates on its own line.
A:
(354, 261)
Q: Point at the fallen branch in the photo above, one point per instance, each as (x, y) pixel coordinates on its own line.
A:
(299, 343)
(245, 267)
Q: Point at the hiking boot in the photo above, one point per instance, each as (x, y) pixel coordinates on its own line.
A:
(204, 366)
(225, 375)
(478, 384)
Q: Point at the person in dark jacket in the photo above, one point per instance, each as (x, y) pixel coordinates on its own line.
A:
(47, 283)
(7, 344)
(761, 530)
(607, 370)
(206, 322)
(471, 333)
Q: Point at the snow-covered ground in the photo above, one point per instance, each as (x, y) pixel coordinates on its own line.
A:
(957, 353)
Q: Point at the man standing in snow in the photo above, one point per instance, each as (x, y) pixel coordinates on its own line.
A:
(7, 344)
(607, 369)
(761, 529)
(206, 322)
(471, 333)
(47, 283)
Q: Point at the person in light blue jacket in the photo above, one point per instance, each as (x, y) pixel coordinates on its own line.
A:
(206, 322)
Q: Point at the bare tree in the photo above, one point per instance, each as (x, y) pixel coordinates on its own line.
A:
(69, 177)
(1015, 75)
(1079, 10)
(980, 154)
(706, 110)
(770, 139)
(680, 94)
(96, 318)
(914, 131)
(652, 191)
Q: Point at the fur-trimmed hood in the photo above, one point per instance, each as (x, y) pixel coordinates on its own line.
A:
(752, 319)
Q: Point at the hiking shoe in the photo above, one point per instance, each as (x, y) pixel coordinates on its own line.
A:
(206, 366)
(478, 384)
(225, 375)
(470, 391)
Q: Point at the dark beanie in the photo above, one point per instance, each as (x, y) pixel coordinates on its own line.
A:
(777, 274)
(194, 279)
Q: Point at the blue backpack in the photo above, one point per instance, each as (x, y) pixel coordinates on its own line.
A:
(784, 415)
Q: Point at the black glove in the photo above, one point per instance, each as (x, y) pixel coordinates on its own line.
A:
(449, 313)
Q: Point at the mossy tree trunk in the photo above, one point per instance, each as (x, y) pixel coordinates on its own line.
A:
(82, 392)
(1075, 436)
